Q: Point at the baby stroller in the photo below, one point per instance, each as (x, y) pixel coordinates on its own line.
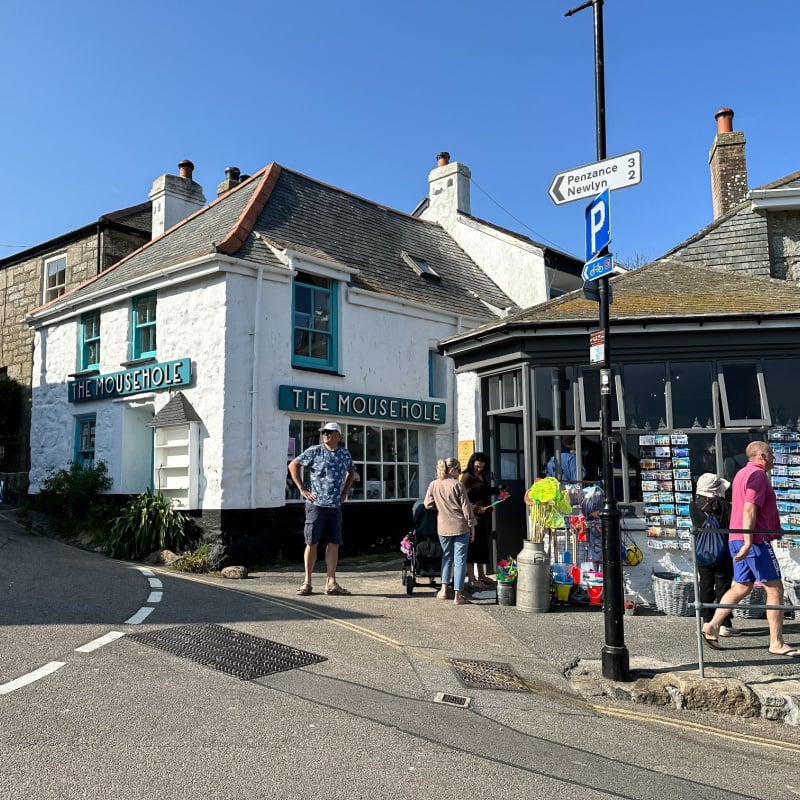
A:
(422, 549)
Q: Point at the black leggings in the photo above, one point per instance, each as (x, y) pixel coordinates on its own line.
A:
(714, 582)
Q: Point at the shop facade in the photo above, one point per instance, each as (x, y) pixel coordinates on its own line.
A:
(681, 364)
(203, 363)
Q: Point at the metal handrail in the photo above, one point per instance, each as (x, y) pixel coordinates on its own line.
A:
(699, 605)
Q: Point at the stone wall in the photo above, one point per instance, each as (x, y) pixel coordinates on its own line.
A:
(21, 290)
(784, 244)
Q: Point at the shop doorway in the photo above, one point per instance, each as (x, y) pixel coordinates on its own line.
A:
(507, 450)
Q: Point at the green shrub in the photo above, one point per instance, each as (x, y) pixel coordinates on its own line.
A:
(148, 523)
(199, 560)
(72, 497)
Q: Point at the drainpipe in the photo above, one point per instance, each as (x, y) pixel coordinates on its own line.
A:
(254, 390)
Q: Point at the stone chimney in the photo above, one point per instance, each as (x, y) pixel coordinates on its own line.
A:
(175, 197)
(728, 165)
(448, 188)
(233, 177)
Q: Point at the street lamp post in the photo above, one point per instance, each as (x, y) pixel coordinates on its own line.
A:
(615, 657)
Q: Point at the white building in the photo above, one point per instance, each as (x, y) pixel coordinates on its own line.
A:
(203, 362)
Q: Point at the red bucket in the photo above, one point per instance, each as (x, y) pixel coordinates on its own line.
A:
(595, 594)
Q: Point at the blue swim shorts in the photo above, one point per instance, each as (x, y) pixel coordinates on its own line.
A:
(323, 523)
(759, 565)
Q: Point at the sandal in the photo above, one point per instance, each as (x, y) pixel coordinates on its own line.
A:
(305, 590)
(334, 588)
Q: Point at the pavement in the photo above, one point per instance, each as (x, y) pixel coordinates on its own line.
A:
(560, 650)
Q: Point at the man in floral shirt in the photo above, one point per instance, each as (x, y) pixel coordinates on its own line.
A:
(332, 474)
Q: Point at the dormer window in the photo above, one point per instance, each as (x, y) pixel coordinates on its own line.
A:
(420, 266)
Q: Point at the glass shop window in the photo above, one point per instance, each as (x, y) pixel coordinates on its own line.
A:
(691, 393)
(590, 398)
(644, 390)
(554, 397)
(780, 379)
(741, 387)
(505, 391)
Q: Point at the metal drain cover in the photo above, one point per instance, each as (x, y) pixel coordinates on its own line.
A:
(234, 653)
(487, 675)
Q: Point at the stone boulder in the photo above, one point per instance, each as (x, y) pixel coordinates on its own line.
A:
(235, 573)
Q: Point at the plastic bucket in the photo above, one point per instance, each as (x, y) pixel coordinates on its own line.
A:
(562, 591)
(595, 594)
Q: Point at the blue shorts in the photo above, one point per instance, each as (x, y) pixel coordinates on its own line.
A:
(759, 565)
(323, 522)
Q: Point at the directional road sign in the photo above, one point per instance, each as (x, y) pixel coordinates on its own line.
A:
(613, 173)
(598, 268)
(598, 224)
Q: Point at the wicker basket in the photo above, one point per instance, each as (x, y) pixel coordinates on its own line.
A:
(673, 597)
(757, 597)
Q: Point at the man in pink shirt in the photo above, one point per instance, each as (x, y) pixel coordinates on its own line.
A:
(754, 508)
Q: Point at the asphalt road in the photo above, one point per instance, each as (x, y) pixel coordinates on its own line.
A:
(119, 719)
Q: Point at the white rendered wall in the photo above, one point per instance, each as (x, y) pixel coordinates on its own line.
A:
(516, 266)
(52, 419)
(191, 322)
(383, 350)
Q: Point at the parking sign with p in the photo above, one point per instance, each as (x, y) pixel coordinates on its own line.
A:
(598, 224)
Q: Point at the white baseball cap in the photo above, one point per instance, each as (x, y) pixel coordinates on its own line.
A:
(331, 426)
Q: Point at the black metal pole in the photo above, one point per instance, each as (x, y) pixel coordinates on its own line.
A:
(615, 658)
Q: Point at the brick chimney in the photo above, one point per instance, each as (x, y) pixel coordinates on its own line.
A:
(448, 188)
(233, 177)
(175, 197)
(728, 165)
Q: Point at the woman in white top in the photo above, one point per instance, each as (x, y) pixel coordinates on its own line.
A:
(455, 526)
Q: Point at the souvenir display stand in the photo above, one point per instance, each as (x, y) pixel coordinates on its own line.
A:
(667, 496)
(785, 444)
(576, 551)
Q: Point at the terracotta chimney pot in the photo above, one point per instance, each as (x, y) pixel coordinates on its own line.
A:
(724, 118)
(442, 159)
(185, 169)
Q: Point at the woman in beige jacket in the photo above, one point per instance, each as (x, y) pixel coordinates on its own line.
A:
(455, 526)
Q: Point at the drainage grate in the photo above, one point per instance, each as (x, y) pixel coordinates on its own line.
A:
(234, 653)
(487, 675)
(451, 699)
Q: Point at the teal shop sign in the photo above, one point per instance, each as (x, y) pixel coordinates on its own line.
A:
(147, 378)
(328, 402)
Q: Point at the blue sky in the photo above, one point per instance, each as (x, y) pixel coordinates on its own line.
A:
(100, 98)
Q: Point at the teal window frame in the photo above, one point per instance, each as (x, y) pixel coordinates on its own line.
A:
(84, 440)
(90, 340)
(312, 296)
(144, 326)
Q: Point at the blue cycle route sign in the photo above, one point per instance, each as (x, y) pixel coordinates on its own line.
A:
(598, 268)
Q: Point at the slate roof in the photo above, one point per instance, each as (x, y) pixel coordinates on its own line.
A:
(663, 291)
(738, 239)
(293, 211)
(178, 411)
(138, 217)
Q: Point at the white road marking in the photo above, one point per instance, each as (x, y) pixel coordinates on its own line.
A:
(140, 616)
(145, 571)
(155, 583)
(31, 677)
(155, 597)
(95, 644)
